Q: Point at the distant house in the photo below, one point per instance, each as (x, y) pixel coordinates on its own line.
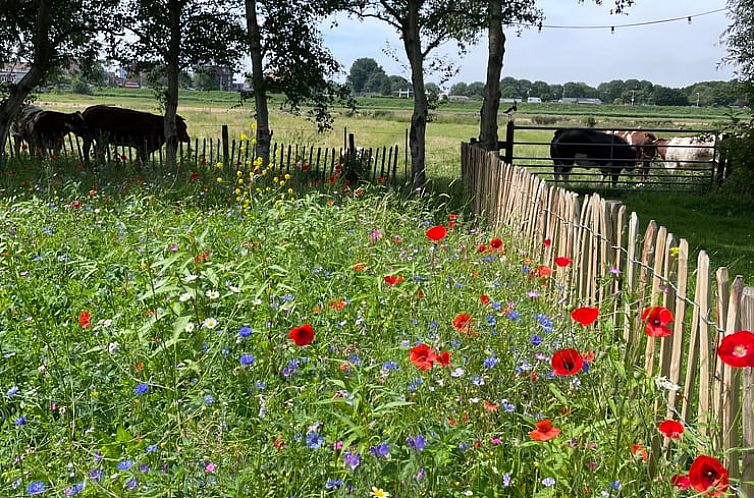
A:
(533, 100)
(580, 100)
(13, 73)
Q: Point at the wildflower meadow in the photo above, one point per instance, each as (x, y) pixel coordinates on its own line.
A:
(249, 333)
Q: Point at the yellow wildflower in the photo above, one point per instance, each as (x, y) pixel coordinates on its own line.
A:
(244, 137)
(379, 493)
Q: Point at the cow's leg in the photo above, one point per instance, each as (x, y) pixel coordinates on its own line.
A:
(562, 171)
(85, 149)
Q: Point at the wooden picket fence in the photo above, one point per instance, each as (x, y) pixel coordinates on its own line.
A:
(382, 163)
(603, 241)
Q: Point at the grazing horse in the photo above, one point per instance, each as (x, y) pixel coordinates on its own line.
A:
(143, 131)
(590, 148)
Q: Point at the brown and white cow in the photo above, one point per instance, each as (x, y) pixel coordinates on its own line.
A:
(686, 152)
(643, 145)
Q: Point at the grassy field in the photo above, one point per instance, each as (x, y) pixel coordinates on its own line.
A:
(720, 225)
(215, 334)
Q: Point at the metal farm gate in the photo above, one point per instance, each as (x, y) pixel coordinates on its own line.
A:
(529, 147)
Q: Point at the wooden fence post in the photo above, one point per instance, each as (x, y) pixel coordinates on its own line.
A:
(226, 153)
(509, 138)
(747, 408)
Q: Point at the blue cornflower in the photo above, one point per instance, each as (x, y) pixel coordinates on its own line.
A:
(12, 391)
(496, 305)
(352, 459)
(124, 464)
(514, 315)
(244, 331)
(209, 399)
(616, 485)
(535, 340)
(506, 480)
(96, 474)
(132, 483)
(489, 258)
(151, 448)
(417, 443)
(545, 322)
(415, 384)
(20, 421)
(548, 481)
(355, 360)
(291, 368)
(143, 468)
(333, 483)
(247, 359)
(382, 450)
(141, 388)
(507, 406)
(477, 380)
(390, 365)
(490, 361)
(526, 269)
(75, 489)
(314, 440)
(433, 325)
(463, 447)
(455, 343)
(491, 320)
(36, 488)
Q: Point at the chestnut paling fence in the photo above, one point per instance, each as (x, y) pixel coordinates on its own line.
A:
(603, 240)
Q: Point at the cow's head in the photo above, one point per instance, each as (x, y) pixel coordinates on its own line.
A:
(75, 123)
(182, 130)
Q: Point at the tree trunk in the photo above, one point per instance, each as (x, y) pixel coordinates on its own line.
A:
(40, 65)
(171, 92)
(491, 104)
(418, 131)
(264, 135)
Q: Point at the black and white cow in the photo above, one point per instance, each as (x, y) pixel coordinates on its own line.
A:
(590, 149)
(44, 130)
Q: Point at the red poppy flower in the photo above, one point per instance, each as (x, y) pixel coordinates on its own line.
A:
(496, 244)
(484, 299)
(462, 322)
(680, 481)
(586, 315)
(544, 431)
(305, 167)
(422, 356)
(393, 279)
(437, 233)
(359, 267)
(708, 475)
(491, 407)
(656, 319)
(637, 450)
(566, 362)
(302, 335)
(562, 261)
(85, 319)
(544, 271)
(737, 350)
(481, 248)
(671, 428)
(443, 359)
(547, 242)
(452, 217)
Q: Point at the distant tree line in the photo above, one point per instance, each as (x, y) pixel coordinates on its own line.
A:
(638, 92)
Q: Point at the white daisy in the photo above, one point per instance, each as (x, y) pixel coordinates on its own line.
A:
(210, 323)
(185, 297)
(213, 294)
(189, 327)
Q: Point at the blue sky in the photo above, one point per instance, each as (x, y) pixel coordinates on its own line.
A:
(673, 54)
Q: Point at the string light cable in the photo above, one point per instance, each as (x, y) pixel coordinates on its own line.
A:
(612, 27)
